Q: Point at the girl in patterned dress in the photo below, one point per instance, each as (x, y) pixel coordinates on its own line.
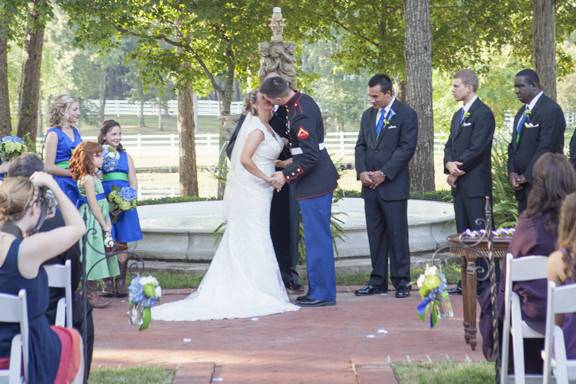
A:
(93, 207)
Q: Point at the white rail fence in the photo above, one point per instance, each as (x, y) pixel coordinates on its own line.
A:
(152, 108)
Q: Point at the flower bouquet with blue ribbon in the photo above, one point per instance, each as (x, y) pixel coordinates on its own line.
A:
(435, 302)
(144, 293)
(122, 199)
(11, 147)
(111, 158)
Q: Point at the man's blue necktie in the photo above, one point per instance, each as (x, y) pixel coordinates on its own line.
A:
(380, 123)
(520, 125)
(462, 113)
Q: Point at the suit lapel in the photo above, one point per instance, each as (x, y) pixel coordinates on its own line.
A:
(460, 125)
(372, 125)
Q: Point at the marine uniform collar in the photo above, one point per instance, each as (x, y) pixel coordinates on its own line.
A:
(293, 102)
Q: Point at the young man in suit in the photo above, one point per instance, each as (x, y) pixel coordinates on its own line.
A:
(538, 128)
(467, 157)
(386, 143)
(312, 172)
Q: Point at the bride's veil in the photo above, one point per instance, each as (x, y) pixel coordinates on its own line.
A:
(235, 165)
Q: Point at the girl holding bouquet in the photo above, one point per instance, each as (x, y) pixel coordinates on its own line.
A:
(61, 140)
(120, 183)
(93, 207)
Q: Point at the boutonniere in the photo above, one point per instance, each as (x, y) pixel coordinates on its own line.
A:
(391, 114)
(528, 113)
(467, 115)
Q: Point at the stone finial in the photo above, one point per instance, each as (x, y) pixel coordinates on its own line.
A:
(277, 24)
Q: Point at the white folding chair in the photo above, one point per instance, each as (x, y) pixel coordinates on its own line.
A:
(519, 269)
(14, 310)
(60, 276)
(560, 301)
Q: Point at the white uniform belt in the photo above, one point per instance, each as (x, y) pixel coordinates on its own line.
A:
(298, 151)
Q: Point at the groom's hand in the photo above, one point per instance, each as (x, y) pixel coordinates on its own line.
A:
(278, 180)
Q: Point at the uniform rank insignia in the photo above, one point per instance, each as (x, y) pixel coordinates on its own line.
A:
(303, 134)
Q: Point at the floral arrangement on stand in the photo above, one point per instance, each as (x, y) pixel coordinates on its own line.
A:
(500, 233)
(11, 147)
(144, 293)
(435, 302)
(111, 158)
(122, 199)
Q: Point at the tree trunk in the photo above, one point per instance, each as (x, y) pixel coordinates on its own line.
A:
(103, 93)
(30, 82)
(188, 171)
(226, 127)
(544, 35)
(418, 54)
(161, 115)
(140, 90)
(5, 118)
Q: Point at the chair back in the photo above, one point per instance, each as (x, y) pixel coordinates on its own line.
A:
(560, 301)
(60, 276)
(15, 310)
(518, 269)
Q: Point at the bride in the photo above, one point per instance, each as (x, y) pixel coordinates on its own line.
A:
(243, 279)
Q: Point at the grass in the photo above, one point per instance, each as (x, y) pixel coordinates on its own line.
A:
(206, 124)
(133, 375)
(445, 373)
(179, 280)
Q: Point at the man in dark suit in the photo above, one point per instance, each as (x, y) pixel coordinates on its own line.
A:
(467, 158)
(314, 176)
(538, 128)
(572, 154)
(283, 210)
(467, 153)
(386, 143)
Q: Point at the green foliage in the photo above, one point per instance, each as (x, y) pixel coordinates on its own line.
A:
(504, 205)
(172, 200)
(177, 280)
(132, 375)
(444, 373)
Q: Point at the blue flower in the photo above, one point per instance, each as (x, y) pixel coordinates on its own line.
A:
(128, 193)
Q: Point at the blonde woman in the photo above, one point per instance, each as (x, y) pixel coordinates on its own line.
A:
(61, 140)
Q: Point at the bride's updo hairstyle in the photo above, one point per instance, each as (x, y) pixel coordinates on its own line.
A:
(250, 102)
(16, 196)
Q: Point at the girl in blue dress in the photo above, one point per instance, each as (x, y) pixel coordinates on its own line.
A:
(62, 138)
(126, 227)
(55, 353)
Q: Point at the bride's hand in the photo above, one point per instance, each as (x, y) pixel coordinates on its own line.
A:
(280, 164)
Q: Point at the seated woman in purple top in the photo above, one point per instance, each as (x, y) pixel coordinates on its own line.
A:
(562, 268)
(62, 138)
(536, 233)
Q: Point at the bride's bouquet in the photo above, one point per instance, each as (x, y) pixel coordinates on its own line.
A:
(144, 293)
(435, 300)
(11, 147)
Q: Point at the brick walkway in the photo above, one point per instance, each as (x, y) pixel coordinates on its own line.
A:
(353, 342)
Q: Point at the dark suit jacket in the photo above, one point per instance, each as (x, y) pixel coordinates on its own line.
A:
(470, 143)
(545, 135)
(391, 152)
(573, 149)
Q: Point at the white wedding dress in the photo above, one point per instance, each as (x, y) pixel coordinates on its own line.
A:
(243, 279)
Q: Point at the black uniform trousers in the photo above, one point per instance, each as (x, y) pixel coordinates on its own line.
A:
(284, 233)
(387, 227)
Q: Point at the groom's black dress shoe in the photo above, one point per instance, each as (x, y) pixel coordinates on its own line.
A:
(305, 301)
(402, 292)
(369, 290)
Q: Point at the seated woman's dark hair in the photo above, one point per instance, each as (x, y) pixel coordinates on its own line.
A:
(553, 179)
(25, 165)
(567, 233)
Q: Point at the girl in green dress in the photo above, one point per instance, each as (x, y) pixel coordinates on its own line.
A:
(93, 206)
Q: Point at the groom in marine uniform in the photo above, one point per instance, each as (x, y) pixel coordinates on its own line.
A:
(312, 172)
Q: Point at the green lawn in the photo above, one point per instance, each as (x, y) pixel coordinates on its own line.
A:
(206, 124)
(134, 375)
(445, 373)
(177, 280)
